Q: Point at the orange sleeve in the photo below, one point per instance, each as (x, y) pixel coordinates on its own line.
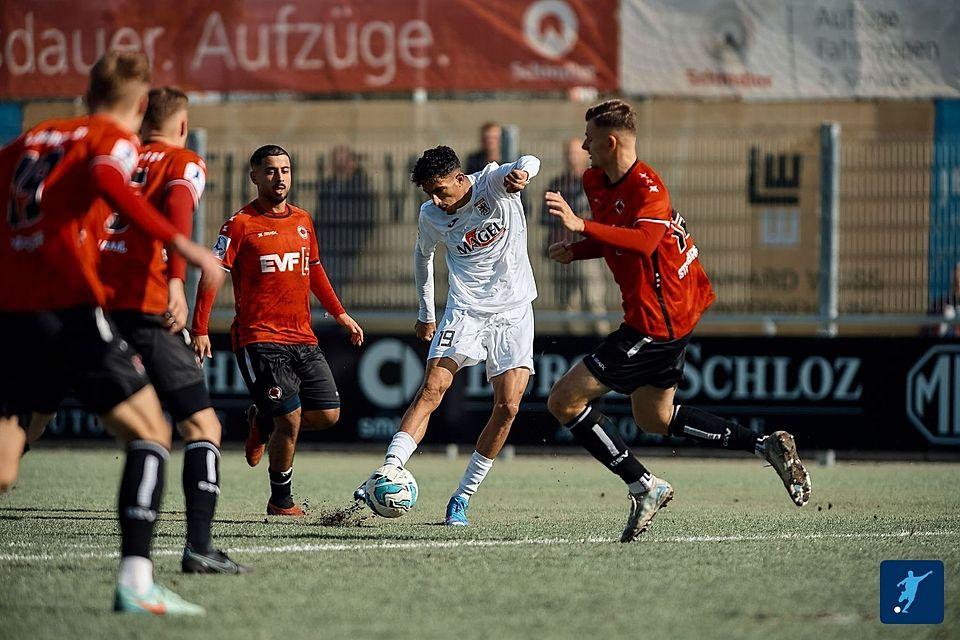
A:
(643, 239)
(587, 249)
(321, 287)
(179, 207)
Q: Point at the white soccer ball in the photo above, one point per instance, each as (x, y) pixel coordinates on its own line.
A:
(391, 491)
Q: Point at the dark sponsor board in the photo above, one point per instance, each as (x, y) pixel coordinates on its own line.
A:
(844, 393)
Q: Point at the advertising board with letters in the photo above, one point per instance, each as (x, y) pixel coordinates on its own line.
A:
(841, 393)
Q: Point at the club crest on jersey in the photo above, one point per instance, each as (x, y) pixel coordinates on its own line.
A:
(220, 246)
(619, 206)
(302, 231)
(482, 206)
(481, 237)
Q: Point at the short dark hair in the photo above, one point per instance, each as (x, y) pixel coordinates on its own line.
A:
(265, 152)
(112, 75)
(613, 114)
(163, 103)
(434, 163)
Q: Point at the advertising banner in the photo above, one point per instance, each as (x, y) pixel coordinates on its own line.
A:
(792, 49)
(842, 393)
(47, 47)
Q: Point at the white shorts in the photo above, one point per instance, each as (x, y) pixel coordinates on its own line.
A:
(503, 340)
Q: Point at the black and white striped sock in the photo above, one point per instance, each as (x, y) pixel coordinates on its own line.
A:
(201, 488)
(141, 488)
(712, 430)
(596, 434)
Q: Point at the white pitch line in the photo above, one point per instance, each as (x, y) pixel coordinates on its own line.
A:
(456, 544)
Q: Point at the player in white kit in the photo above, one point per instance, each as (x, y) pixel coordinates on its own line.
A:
(489, 313)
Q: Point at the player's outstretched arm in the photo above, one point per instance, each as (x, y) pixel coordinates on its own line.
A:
(115, 189)
(642, 238)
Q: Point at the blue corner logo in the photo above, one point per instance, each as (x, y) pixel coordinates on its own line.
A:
(911, 592)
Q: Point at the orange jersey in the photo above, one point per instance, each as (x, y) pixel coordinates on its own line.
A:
(133, 266)
(48, 237)
(664, 287)
(269, 257)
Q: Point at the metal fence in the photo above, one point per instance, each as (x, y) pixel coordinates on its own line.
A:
(752, 197)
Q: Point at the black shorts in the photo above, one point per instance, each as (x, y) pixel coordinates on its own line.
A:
(627, 360)
(283, 377)
(169, 360)
(47, 352)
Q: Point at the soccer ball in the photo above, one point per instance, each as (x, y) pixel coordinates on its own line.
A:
(391, 491)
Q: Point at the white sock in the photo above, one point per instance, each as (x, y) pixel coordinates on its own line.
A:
(136, 573)
(476, 471)
(401, 448)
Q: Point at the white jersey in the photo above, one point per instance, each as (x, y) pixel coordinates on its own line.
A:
(486, 243)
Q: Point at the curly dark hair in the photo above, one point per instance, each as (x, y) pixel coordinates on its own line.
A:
(434, 163)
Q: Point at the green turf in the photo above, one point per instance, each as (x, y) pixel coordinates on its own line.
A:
(58, 525)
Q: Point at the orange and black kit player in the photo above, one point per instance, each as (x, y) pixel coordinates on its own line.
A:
(665, 290)
(144, 284)
(271, 250)
(59, 182)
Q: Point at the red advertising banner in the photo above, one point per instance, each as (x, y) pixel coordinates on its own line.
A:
(48, 46)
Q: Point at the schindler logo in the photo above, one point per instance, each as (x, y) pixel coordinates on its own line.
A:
(933, 394)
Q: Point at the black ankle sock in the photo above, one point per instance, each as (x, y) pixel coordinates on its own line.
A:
(707, 428)
(141, 488)
(281, 483)
(201, 487)
(596, 434)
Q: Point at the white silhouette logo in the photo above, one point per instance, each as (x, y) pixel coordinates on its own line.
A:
(550, 28)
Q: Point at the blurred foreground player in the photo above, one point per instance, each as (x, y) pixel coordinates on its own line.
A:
(270, 249)
(59, 182)
(665, 291)
(145, 298)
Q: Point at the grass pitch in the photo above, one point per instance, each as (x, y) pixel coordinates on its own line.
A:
(731, 557)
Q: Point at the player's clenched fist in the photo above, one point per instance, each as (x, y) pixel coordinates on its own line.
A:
(425, 330)
(561, 252)
(516, 180)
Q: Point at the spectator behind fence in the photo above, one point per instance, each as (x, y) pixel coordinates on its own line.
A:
(489, 150)
(346, 212)
(579, 286)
